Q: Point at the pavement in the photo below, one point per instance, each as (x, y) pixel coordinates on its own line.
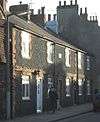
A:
(63, 113)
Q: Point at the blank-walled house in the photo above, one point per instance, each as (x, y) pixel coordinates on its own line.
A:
(40, 60)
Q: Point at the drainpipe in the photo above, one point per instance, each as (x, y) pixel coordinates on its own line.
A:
(8, 82)
(77, 87)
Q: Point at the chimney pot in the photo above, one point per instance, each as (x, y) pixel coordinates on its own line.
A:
(90, 18)
(54, 17)
(96, 18)
(93, 18)
(20, 2)
(38, 11)
(64, 3)
(49, 17)
(75, 2)
(85, 10)
(80, 11)
(32, 11)
(59, 3)
(42, 9)
(71, 2)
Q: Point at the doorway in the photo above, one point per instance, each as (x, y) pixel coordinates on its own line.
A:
(39, 95)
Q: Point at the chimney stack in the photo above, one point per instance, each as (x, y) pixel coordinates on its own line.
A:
(54, 17)
(80, 11)
(75, 2)
(64, 3)
(85, 10)
(49, 17)
(71, 2)
(42, 9)
(38, 11)
(59, 3)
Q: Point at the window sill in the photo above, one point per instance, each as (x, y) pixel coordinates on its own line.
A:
(26, 98)
(67, 95)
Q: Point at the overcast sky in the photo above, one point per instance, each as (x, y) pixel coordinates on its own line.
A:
(50, 5)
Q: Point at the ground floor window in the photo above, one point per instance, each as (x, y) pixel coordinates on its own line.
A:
(80, 86)
(67, 87)
(88, 88)
(25, 88)
(50, 84)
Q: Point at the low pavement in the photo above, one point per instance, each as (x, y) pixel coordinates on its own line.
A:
(63, 113)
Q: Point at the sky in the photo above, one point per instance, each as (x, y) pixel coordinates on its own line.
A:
(93, 6)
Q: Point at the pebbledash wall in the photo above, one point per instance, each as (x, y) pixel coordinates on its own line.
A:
(40, 60)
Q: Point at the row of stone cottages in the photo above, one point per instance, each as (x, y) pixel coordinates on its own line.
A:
(36, 60)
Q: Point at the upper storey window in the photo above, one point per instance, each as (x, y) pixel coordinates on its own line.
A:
(79, 60)
(50, 51)
(25, 45)
(67, 57)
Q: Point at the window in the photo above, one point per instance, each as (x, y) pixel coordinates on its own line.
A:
(80, 86)
(25, 44)
(67, 57)
(67, 87)
(79, 60)
(50, 51)
(88, 88)
(25, 88)
(60, 55)
(50, 84)
(88, 62)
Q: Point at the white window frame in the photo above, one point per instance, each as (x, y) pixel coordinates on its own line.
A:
(60, 55)
(25, 81)
(50, 51)
(88, 87)
(50, 84)
(67, 57)
(67, 87)
(80, 86)
(88, 63)
(25, 36)
(79, 60)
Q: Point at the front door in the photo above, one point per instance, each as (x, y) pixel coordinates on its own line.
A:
(39, 95)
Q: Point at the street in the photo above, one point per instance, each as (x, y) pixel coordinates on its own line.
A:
(89, 117)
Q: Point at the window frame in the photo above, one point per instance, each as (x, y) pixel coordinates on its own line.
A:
(79, 60)
(26, 82)
(68, 94)
(50, 52)
(88, 87)
(80, 84)
(25, 45)
(67, 57)
(87, 62)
